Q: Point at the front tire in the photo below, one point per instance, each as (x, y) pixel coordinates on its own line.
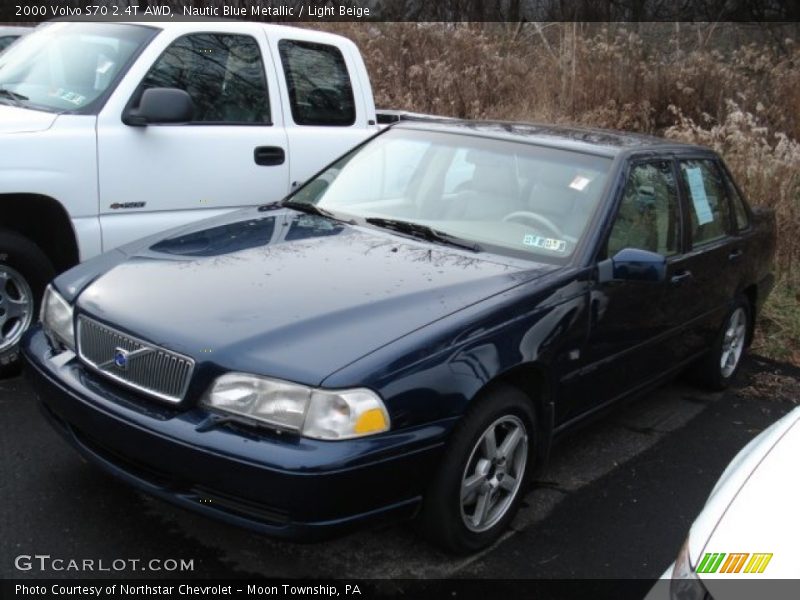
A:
(484, 473)
(24, 273)
(717, 370)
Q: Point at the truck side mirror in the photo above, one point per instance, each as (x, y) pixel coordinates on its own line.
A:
(160, 105)
(633, 264)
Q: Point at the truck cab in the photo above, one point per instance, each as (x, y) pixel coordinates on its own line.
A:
(114, 131)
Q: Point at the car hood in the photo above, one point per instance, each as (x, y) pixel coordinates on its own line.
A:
(22, 120)
(762, 516)
(290, 295)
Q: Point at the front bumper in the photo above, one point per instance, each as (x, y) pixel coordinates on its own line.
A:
(281, 485)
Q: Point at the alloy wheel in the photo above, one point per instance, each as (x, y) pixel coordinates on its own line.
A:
(16, 307)
(733, 342)
(494, 473)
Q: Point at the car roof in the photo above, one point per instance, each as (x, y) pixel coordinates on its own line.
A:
(14, 29)
(603, 142)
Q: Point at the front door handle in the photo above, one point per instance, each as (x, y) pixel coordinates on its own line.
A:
(736, 254)
(269, 156)
(679, 278)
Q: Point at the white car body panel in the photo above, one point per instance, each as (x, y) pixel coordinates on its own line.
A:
(763, 516)
(22, 120)
(733, 480)
(58, 159)
(752, 509)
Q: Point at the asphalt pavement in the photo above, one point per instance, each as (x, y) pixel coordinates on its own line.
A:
(615, 502)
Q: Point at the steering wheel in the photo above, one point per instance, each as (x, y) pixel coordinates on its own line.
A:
(524, 215)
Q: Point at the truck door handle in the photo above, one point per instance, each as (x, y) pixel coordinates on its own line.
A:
(269, 156)
(736, 254)
(681, 277)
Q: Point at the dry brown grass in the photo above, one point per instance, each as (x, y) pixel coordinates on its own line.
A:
(733, 87)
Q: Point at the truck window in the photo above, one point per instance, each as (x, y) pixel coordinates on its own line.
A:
(223, 73)
(5, 41)
(320, 92)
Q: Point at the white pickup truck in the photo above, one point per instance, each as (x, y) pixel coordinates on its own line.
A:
(113, 131)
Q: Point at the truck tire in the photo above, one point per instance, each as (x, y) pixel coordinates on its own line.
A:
(24, 272)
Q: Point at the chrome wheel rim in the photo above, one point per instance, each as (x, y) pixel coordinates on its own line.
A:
(16, 307)
(733, 342)
(493, 474)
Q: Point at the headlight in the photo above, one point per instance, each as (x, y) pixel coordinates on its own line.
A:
(685, 584)
(314, 413)
(56, 317)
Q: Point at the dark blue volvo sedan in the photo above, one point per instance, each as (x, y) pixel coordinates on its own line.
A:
(407, 333)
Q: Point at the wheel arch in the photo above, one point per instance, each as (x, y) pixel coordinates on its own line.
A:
(535, 381)
(750, 293)
(44, 221)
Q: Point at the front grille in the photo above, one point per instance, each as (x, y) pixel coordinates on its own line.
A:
(133, 362)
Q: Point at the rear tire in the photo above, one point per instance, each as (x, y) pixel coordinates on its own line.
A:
(484, 473)
(719, 367)
(24, 272)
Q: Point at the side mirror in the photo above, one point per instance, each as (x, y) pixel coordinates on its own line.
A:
(632, 264)
(161, 105)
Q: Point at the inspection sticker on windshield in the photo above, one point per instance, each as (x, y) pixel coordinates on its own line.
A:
(580, 182)
(67, 96)
(551, 244)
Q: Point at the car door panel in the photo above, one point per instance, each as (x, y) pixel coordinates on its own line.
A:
(715, 254)
(636, 330)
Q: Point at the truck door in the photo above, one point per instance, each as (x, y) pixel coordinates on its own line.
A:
(328, 110)
(233, 153)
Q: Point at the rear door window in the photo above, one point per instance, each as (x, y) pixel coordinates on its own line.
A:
(709, 209)
(320, 92)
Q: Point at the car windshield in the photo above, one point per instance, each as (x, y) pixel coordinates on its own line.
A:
(506, 197)
(66, 66)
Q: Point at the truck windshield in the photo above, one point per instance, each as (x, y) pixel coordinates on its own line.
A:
(67, 66)
(505, 197)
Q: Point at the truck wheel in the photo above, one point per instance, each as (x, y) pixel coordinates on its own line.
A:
(24, 273)
(718, 368)
(483, 475)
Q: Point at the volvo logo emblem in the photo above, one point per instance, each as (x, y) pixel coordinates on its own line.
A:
(121, 358)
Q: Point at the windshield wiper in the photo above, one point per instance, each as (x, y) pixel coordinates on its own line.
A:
(306, 207)
(16, 98)
(424, 232)
(313, 209)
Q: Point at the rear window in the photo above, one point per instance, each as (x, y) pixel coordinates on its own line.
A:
(320, 92)
(739, 210)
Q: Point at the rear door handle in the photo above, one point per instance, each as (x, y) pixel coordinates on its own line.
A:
(269, 156)
(681, 277)
(736, 254)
